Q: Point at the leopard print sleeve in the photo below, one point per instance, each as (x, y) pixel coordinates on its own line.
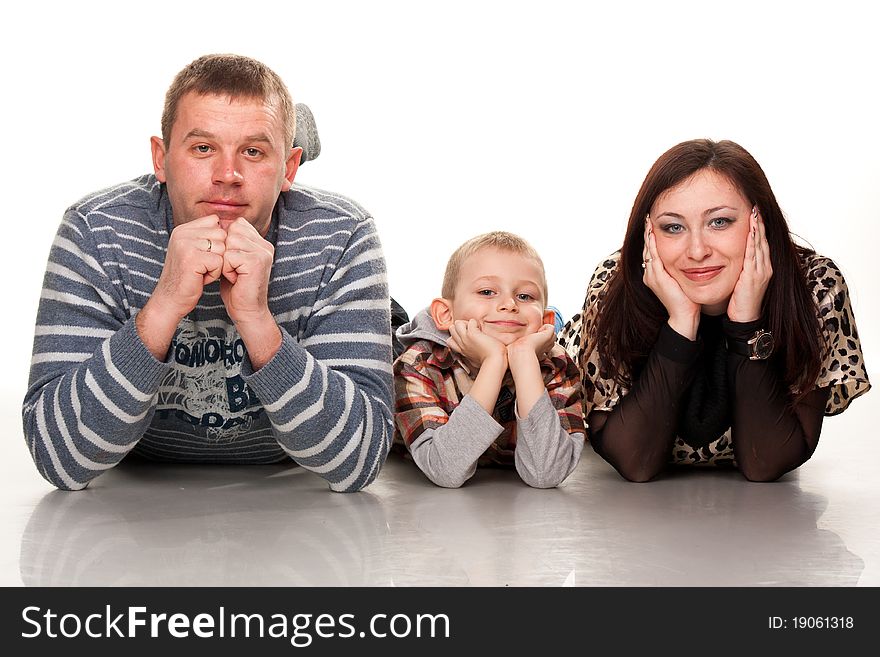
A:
(599, 393)
(843, 367)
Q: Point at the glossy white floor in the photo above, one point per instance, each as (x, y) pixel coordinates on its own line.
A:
(143, 524)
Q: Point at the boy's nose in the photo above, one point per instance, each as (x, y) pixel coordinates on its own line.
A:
(507, 302)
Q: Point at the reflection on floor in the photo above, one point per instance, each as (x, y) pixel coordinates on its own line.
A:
(144, 524)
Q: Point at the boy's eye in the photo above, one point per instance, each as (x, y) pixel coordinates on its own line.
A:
(486, 293)
(525, 297)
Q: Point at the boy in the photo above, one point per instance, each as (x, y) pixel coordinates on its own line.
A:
(482, 380)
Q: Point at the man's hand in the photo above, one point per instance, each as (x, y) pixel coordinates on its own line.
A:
(194, 259)
(247, 265)
(244, 289)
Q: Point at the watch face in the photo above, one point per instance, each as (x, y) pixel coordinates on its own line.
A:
(763, 346)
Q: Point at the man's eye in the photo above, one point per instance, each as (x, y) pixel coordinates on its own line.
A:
(253, 152)
(202, 148)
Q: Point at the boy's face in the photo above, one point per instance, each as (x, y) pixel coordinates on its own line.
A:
(503, 291)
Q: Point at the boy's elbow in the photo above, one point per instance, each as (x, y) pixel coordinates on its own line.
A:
(541, 482)
(538, 477)
(446, 480)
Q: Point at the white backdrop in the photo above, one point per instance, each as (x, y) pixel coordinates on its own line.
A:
(450, 119)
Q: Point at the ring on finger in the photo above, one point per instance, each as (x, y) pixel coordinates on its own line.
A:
(210, 244)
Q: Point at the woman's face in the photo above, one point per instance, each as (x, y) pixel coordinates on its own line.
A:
(701, 226)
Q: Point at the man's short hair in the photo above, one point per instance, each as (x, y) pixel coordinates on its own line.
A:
(497, 239)
(234, 76)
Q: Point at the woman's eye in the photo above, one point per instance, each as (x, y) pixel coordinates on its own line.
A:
(672, 228)
(720, 222)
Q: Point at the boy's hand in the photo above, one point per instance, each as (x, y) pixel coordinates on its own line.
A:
(477, 348)
(524, 356)
(538, 344)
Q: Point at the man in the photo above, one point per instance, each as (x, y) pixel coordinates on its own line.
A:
(212, 312)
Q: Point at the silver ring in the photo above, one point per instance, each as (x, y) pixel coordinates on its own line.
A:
(210, 244)
(645, 263)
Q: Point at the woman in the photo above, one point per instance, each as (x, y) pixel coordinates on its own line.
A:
(711, 337)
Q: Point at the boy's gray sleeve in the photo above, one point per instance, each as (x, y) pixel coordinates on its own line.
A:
(448, 454)
(545, 452)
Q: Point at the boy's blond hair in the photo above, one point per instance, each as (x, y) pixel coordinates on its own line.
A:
(498, 239)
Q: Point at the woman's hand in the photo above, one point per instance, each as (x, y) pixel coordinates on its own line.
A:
(469, 340)
(684, 314)
(745, 302)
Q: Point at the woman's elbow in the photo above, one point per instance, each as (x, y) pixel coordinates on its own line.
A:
(763, 472)
(638, 474)
(634, 470)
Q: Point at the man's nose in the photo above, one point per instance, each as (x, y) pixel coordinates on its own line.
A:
(226, 172)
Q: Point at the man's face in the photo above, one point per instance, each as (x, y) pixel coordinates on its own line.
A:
(227, 157)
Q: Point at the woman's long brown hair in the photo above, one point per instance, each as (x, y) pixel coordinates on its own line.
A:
(630, 315)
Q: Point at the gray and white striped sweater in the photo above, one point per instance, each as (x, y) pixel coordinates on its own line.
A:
(96, 393)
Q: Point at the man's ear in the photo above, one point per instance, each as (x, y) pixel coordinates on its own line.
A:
(291, 167)
(441, 313)
(549, 317)
(157, 146)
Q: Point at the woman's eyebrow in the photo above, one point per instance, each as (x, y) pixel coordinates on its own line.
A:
(720, 207)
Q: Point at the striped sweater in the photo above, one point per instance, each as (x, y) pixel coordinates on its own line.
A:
(96, 393)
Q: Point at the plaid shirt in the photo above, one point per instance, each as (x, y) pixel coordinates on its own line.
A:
(430, 382)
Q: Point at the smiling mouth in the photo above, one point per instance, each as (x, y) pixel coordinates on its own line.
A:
(702, 274)
(506, 324)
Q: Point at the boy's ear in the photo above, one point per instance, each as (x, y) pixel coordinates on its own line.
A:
(441, 313)
(549, 317)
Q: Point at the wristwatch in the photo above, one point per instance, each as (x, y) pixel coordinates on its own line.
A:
(758, 347)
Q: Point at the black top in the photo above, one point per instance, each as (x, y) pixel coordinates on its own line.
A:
(697, 390)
